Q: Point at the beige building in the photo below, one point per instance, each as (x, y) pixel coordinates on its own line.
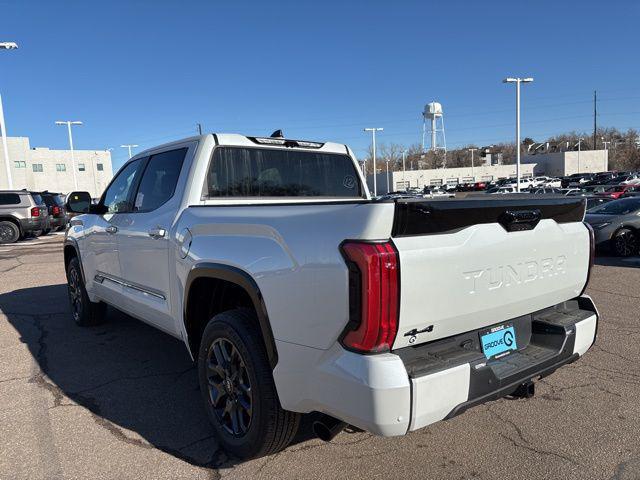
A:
(549, 164)
(41, 168)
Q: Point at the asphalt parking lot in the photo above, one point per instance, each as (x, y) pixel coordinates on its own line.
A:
(121, 401)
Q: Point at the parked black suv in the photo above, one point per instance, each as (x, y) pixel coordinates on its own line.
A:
(57, 213)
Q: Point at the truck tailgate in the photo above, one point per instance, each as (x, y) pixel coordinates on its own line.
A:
(470, 263)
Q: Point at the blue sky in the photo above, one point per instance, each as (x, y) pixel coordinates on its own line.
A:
(143, 71)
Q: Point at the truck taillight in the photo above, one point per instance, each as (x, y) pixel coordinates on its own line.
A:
(35, 211)
(374, 295)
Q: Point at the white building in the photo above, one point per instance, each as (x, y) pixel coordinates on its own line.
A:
(45, 169)
(550, 164)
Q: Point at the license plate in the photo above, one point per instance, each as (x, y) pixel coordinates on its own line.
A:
(498, 341)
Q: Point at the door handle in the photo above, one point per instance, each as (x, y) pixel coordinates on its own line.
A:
(112, 229)
(158, 232)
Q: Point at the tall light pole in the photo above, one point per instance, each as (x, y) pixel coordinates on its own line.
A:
(404, 180)
(129, 147)
(68, 123)
(472, 174)
(579, 148)
(517, 81)
(3, 128)
(388, 176)
(373, 133)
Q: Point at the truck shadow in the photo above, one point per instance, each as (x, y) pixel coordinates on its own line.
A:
(138, 383)
(607, 261)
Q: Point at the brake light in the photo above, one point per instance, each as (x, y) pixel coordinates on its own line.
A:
(35, 211)
(56, 210)
(374, 278)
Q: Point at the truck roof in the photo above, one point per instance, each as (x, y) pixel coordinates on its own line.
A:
(238, 140)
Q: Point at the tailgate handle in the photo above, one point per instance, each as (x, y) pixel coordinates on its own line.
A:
(519, 220)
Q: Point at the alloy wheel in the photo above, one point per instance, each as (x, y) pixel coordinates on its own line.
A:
(6, 234)
(626, 243)
(229, 387)
(75, 294)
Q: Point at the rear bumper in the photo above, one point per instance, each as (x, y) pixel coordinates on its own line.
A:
(29, 225)
(391, 394)
(55, 222)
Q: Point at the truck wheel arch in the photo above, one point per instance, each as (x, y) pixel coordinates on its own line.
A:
(237, 278)
(71, 250)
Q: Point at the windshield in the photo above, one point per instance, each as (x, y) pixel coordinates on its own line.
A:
(262, 172)
(618, 207)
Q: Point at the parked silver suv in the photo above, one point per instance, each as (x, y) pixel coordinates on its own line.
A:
(21, 213)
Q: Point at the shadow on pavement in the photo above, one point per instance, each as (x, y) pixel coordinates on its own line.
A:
(130, 376)
(606, 261)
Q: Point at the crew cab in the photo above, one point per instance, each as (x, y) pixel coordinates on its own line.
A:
(296, 292)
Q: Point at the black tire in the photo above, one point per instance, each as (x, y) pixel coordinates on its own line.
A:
(264, 427)
(9, 232)
(46, 231)
(624, 243)
(85, 312)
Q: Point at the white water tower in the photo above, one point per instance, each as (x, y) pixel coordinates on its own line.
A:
(433, 116)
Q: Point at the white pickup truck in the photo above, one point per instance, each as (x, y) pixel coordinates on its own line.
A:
(295, 291)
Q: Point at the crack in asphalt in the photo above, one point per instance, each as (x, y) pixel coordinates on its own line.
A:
(524, 443)
(4, 380)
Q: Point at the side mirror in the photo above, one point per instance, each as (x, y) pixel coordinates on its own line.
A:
(78, 202)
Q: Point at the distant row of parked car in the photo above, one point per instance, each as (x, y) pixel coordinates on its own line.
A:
(612, 198)
(25, 214)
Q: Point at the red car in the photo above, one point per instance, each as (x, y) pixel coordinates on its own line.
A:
(616, 191)
(479, 186)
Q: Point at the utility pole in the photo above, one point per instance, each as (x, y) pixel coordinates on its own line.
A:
(595, 117)
(517, 81)
(375, 173)
(472, 173)
(199, 128)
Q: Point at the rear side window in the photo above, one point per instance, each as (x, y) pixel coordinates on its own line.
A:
(259, 172)
(159, 180)
(9, 199)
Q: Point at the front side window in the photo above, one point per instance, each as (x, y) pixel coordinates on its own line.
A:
(37, 167)
(159, 180)
(261, 172)
(116, 198)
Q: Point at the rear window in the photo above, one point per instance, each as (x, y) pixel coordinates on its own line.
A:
(9, 199)
(37, 198)
(48, 200)
(259, 172)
